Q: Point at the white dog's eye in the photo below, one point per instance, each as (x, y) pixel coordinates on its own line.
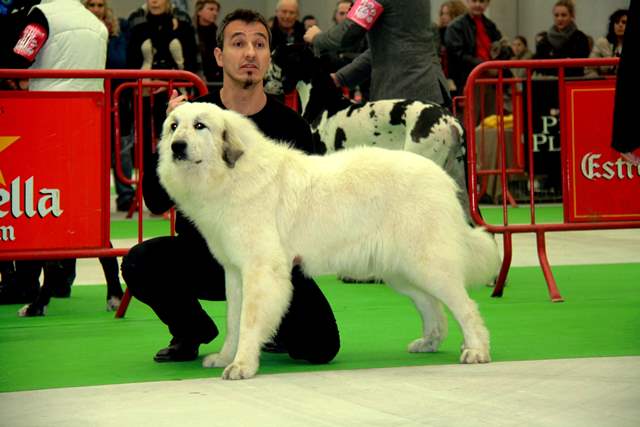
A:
(174, 126)
(199, 126)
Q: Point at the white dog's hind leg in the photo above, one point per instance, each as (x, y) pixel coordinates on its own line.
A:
(446, 284)
(434, 324)
(266, 294)
(233, 289)
(434, 321)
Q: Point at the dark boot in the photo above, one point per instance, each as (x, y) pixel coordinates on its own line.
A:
(178, 351)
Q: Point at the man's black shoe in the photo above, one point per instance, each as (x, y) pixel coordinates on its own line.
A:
(274, 346)
(178, 351)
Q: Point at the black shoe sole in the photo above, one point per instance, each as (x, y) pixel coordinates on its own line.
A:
(166, 359)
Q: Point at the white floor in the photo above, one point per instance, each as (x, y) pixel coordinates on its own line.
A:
(575, 392)
(587, 392)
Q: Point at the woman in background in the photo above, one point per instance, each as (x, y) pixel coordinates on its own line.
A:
(204, 21)
(609, 46)
(563, 40)
(449, 10)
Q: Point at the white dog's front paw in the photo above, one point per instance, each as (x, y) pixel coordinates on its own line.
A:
(216, 360)
(425, 345)
(240, 371)
(475, 355)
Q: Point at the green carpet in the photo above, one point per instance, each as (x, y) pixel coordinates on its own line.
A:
(79, 344)
(545, 214)
(128, 229)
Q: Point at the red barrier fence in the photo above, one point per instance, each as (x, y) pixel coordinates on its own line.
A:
(589, 169)
(55, 161)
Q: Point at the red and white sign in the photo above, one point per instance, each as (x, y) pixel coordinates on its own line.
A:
(365, 13)
(599, 184)
(53, 171)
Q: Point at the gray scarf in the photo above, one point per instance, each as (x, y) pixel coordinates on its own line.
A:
(559, 38)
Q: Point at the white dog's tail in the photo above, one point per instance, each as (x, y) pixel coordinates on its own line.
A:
(483, 259)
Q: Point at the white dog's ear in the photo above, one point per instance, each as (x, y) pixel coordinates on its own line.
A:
(231, 147)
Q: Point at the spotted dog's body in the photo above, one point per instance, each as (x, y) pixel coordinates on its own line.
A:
(422, 128)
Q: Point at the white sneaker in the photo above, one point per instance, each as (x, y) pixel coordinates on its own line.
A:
(32, 311)
(113, 303)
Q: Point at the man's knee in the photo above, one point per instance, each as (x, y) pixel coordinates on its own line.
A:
(321, 349)
(133, 268)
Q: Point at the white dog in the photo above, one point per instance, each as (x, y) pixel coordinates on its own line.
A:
(262, 206)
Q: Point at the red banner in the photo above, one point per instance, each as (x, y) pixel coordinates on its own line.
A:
(599, 185)
(53, 171)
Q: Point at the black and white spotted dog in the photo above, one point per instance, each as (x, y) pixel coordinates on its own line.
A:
(422, 128)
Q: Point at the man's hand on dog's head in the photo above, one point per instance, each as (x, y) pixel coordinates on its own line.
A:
(175, 100)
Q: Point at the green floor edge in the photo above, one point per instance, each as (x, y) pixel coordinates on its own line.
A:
(549, 213)
(79, 344)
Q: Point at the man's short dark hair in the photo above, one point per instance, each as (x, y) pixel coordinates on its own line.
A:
(246, 15)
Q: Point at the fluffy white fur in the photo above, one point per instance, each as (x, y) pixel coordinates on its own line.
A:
(358, 212)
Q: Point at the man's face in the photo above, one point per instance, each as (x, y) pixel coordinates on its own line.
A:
(561, 17)
(208, 14)
(246, 56)
(97, 8)
(341, 12)
(477, 7)
(287, 14)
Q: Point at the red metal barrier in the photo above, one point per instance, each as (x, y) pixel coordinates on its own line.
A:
(138, 81)
(496, 70)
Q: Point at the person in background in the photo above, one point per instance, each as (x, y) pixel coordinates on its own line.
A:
(520, 52)
(563, 39)
(625, 138)
(468, 40)
(609, 46)
(182, 5)
(286, 28)
(117, 59)
(162, 38)
(449, 10)
(172, 273)
(342, 57)
(520, 48)
(341, 11)
(309, 21)
(13, 15)
(204, 21)
(63, 35)
(401, 60)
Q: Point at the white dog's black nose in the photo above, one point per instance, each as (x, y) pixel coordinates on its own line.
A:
(179, 149)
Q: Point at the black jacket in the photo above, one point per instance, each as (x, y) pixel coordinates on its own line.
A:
(577, 46)
(159, 28)
(279, 38)
(460, 41)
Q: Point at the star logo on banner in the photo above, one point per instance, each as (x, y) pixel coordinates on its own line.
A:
(5, 142)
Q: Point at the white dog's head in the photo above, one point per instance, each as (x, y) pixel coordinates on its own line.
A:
(199, 145)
